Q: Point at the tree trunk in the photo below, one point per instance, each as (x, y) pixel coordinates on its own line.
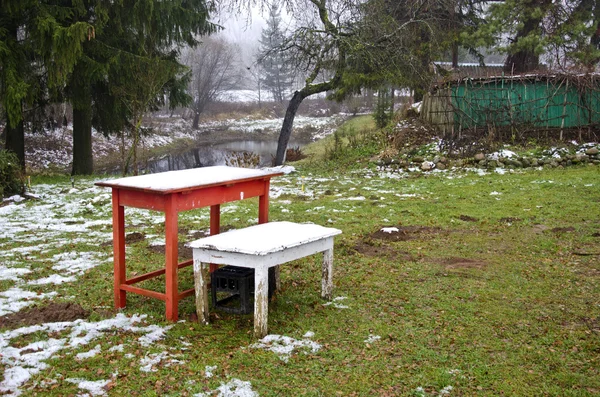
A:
(196, 120)
(286, 128)
(83, 160)
(526, 60)
(15, 141)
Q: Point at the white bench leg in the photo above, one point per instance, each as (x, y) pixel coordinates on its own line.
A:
(327, 275)
(201, 288)
(261, 301)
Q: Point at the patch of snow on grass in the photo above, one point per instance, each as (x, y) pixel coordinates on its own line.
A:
(12, 273)
(335, 303)
(53, 279)
(209, 370)
(284, 346)
(15, 299)
(94, 352)
(372, 338)
(151, 360)
(390, 230)
(233, 388)
(94, 388)
(21, 363)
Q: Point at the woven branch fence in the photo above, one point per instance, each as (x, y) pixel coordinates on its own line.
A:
(516, 107)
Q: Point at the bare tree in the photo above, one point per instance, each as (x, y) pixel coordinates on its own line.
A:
(214, 70)
(343, 46)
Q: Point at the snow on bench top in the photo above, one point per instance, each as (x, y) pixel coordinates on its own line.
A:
(186, 179)
(265, 238)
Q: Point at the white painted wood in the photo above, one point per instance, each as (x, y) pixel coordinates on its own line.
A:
(183, 179)
(261, 247)
(201, 289)
(261, 301)
(216, 256)
(265, 238)
(327, 275)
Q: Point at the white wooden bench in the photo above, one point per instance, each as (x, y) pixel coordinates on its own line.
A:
(260, 247)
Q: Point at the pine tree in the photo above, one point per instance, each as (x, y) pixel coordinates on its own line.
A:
(141, 34)
(39, 46)
(275, 66)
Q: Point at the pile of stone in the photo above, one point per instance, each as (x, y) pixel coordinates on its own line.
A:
(481, 160)
(589, 156)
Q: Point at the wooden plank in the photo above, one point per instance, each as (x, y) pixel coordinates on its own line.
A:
(261, 297)
(201, 290)
(143, 291)
(118, 250)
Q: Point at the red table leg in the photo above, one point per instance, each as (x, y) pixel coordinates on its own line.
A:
(263, 204)
(118, 249)
(215, 226)
(171, 256)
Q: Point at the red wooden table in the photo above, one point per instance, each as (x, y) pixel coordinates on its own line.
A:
(172, 192)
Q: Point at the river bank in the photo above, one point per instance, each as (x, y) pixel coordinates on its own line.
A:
(51, 151)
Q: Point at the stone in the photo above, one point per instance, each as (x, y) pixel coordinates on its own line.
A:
(479, 157)
(418, 159)
(526, 162)
(592, 151)
(440, 166)
(482, 163)
(518, 164)
(426, 166)
(492, 164)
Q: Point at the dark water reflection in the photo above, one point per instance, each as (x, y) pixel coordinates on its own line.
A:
(227, 153)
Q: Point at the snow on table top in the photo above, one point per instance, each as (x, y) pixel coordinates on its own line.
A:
(184, 179)
(265, 238)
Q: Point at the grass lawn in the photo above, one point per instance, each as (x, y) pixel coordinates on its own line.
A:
(481, 285)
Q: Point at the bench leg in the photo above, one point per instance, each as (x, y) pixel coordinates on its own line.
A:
(201, 289)
(261, 300)
(327, 275)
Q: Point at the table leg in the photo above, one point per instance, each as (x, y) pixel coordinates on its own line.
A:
(201, 287)
(263, 217)
(261, 301)
(171, 259)
(327, 275)
(118, 250)
(215, 226)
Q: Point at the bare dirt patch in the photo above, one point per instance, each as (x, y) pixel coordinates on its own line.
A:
(467, 218)
(52, 313)
(404, 233)
(182, 250)
(461, 263)
(369, 249)
(561, 230)
(509, 219)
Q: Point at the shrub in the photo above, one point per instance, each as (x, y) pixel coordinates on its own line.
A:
(12, 180)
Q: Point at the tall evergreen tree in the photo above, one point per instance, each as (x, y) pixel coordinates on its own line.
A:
(148, 34)
(275, 65)
(39, 47)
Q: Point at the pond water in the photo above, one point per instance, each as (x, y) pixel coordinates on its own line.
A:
(234, 153)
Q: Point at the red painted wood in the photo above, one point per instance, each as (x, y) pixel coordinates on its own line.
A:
(219, 195)
(119, 250)
(171, 202)
(263, 203)
(143, 291)
(171, 254)
(146, 200)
